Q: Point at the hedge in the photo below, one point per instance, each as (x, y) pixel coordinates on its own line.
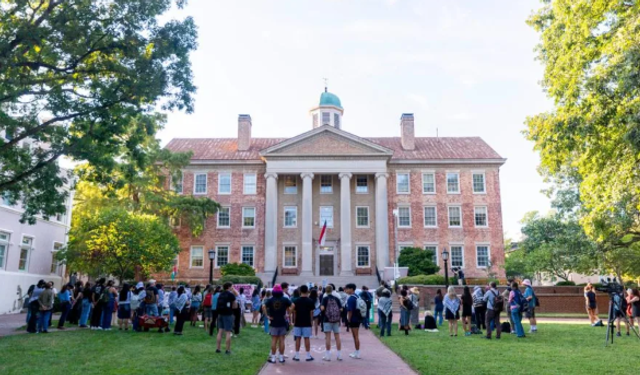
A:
(425, 280)
(565, 283)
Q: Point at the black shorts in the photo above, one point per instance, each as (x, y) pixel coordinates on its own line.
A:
(618, 314)
(448, 315)
(530, 313)
(354, 325)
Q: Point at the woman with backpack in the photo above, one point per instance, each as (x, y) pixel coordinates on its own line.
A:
(452, 310)
(467, 310)
(196, 301)
(517, 306)
(124, 307)
(405, 311)
(439, 307)
(108, 299)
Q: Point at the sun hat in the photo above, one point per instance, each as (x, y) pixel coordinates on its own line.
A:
(415, 290)
(526, 282)
(277, 289)
(139, 285)
(476, 288)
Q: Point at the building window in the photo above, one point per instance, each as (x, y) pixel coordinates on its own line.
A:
(250, 186)
(457, 256)
(224, 183)
(60, 218)
(57, 246)
(362, 217)
(482, 256)
(25, 249)
(453, 183)
(290, 185)
(326, 118)
(428, 183)
(434, 250)
(326, 184)
(200, 186)
(480, 214)
(363, 256)
(224, 217)
(176, 183)
(248, 217)
(326, 215)
(222, 255)
(336, 120)
(197, 257)
(402, 247)
(455, 216)
(479, 183)
(430, 217)
(247, 255)
(290, 256)
(315, 120)
(4, 248)
(404, 217)
(362, 184)
(402, 183)
(290, 217)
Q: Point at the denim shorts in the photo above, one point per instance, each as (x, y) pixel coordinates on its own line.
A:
(331, 327)
(277, 331)
(207, 312)
(225, 322)
(304, 332)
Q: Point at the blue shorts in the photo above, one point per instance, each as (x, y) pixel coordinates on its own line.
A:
(304, 332)
(277, 331)
(225, 322)
(331, 327)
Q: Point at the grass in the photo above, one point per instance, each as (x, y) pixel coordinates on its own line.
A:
(568, 315)
(555, 349)
(126, 352)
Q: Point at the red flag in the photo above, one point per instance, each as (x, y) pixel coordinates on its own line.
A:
(322, 234)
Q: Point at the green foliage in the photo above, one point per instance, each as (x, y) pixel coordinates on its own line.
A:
(237, 269)
(83, 80)
(517, 265)
(425, 280)
(565, 283)
(419, 261)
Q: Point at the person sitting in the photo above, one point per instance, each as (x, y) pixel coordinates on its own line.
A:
(430, 322)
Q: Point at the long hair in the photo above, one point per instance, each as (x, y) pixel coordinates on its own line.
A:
(197, 290)
(451, 292)
(124, 292)
(313, 295)
(439, 293)
(466, 295)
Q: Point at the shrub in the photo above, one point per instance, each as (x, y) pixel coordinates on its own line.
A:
(565, 283)
(237, 269)
(424, 280)
(419, 261)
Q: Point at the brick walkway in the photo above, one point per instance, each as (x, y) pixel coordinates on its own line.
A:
(376, 358)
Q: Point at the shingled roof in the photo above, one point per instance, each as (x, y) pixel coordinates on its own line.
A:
(426, 148)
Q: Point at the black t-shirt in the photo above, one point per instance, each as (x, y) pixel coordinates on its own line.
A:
(277, 309)
(303, 307)
(97, 292)
(86, 293)
(225, 302)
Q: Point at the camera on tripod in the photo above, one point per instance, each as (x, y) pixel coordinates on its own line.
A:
(610, 286)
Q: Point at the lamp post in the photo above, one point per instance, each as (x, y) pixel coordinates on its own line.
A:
(445, 258)
(396, 270)
(212, 256)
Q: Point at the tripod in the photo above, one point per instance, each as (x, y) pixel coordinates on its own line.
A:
(612, 318)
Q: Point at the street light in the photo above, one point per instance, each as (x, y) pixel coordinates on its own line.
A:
(212, 256)
(445, 258)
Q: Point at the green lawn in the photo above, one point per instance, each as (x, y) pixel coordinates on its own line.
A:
(126, 352)
(555, 349)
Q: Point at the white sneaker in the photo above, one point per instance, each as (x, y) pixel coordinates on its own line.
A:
(354, 355)
(325, 358)
(339, 357)
(99, 329)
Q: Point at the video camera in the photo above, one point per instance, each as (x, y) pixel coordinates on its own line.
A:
(610, 286)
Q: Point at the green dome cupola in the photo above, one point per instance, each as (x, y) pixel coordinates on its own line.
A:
(328, 112)
(329, 99)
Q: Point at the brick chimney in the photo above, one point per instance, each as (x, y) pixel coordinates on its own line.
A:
(244, 132)
(407, 132)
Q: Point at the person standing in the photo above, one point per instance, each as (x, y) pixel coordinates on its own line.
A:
(196, 301)
(226, 305)
(406, 306)
(124, 307)
(214, 309)
(619, 312)
(315, 298)
(277, 308)
(86, 306)
(76, 304)
(634, 301)
(368, 299)
(415, 312)
(516, 304)
(263, 307)
(354, 317)
(592, 305)
(302, 312)
(331, 308)
(207, 302)
(495, 305)
(108, 299)
(255, 308)
(45, 301)
(467, 310)
(452, 310)
(343, 299)
(64, 297)
(480, 307)
(151, 299)
(97, 305)
(530, 296)
(181, 305)
(439, 307)
(385, 313)
(173, 296)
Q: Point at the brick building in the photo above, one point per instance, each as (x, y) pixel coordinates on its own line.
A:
(277, 194)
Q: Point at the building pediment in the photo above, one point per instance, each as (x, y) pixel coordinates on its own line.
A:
(326, 141)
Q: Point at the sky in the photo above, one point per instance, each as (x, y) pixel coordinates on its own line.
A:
(464, 68)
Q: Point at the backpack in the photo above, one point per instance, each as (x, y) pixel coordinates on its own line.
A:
(498, 302)
(104, 296)
(505, 327)
(150, 296)
(522, 304)
(362, 307)
(332, 311)
(409, 305)
(207, 300)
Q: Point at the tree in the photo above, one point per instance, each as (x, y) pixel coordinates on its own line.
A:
(117, 242)
(73, 75)
(419, 261)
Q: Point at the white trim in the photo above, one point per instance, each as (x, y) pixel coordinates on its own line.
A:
(368, 184)
(244, 183)
(321, 222)
(448, 161)
(449, 207)
(195, 182)
(191, 266)
(486, 214)
(29, 251)
(404, 226)
(488, 246)
(226, 162)
(451, 246)
(433, 244)
(255, 214)
(484, 183)
(218, 246)
(424, 216)
(220, 174)
(284, 184)
(446, 180)
(368, 246)
(172, 186)
(284, 217)
(330, 181)
(398, 173)
(15, 211)
(253, 254)
(218, 219)
(284, 255)
(368, 217)
(435, 188)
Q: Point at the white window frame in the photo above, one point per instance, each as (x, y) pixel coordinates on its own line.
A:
(253, 255)
(366, 187)
(404, 245)
(6, 244)
(191, 248)
(174, 187)
(449, 216)
(284, 219)
(486, 215)
(399, 221)
(321, 222)
(447, 182)
(195, 183)
(254, 217)
(358, 246)
(218, 217)
(434, 183)
(435, 253)
(295, 184)
(451, 246)
(284, 256)
(330, 190)
(368, 217)
(488, 255)
(29, 251)
(398, 174)
(424, 216)
(484, 182)
(220, 175)
(328, 118)
(228, 247)
(53, 254)
(254, 184)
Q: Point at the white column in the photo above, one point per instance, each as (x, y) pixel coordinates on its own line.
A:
(345, 224)
(307, 225)
(382, 221)
(271, 224)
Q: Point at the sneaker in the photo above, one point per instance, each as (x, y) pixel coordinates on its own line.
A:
(309, 359)
(227, 352)
(218, 351)
(338, 358)
(618, 334)
(271, 360)
(325, 358)
(354, 355)
(628, 334)
(296, 358)
(281, 360)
